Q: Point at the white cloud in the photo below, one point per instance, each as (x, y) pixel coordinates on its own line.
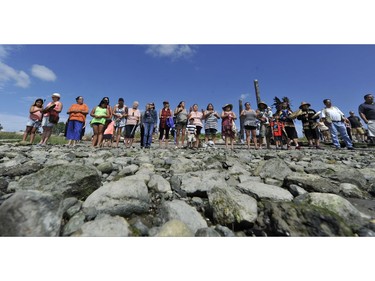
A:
(42, 72)
(171, 51)
(3, 52)
(7, 73)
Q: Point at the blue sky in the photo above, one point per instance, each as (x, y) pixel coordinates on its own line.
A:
(194, 73)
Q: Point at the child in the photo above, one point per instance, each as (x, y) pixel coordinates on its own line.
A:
(277, 128)
(35, 120)
(108, 133)
(191, 130)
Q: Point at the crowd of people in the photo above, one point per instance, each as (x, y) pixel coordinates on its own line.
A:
(111, 124)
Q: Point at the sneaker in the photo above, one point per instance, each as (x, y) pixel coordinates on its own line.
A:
(351, 148)
(319, 147)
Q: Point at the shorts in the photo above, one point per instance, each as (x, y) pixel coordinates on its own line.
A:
(358, 131)
(166, 134)
(180, 125)
(291, 132)
(129, 130)
(46, 123)
(107, 136)
(33, 123)
(278, 138)
(191, 138)
(199, 129)
(210, 132)
(250, 128)
(311, 134)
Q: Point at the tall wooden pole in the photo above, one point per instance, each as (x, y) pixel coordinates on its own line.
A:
(257, 93)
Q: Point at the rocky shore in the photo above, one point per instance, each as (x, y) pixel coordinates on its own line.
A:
(62, 191)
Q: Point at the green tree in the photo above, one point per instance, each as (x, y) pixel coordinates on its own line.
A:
(1, 127)
(59, 128)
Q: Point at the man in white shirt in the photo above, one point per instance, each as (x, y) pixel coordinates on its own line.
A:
(334, 120)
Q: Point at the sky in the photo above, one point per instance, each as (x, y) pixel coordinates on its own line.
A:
(202, 74)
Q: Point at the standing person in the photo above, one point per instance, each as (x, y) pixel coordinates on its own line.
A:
(324, 130)
(192, 132)
(35, 120)
(109, 107)
(309, 119)
(367, 112)
(357, 128)
(211, 118)
(100, 114)
(181, 115)
(108, 133)
(164, 114)
(149, 121)
(77, 118)
(334, 120)
(277, 128)
(250, 126)
(50, 117)
(132, 122)
(198, 116)
(285, 116)
(228, 117)
(264, 116)
(120, 112)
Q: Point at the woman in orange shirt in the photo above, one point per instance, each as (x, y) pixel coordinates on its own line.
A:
(77, 118)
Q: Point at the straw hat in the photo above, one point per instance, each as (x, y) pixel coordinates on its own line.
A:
(228, 104)
(262, 102)
(304, 103)
(56, 95)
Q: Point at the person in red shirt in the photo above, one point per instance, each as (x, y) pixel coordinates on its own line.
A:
(277, 128)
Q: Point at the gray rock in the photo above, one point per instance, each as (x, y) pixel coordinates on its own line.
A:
(74, 209)
(245, 178)
(3, 184)
(312, 183)
(296, 190)
(335, 204)
(224, 231)
(74, 224)
(230, 206)
(61, 180)
(20, 169)
(159, 184)
(68, 202)
(274, 168)
(351, 190)
(139, 228)
(175, 228)
(105, 167)
(181, 211)
(265, 191)
(273, 182)
(104, 226)
(30, 213)
(198, 183)
(128, 170)
(124, 197)
(206, 232)
(296, 220)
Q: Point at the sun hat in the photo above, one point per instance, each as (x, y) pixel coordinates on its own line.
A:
(228, 104)
(262, 102)
(304, 103)
(56, 95)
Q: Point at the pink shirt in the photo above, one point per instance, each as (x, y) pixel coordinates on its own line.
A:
(197, 115)
(110, 129)
(58, 107)
(133, 116)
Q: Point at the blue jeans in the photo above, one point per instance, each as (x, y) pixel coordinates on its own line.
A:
(147, 139)
(341, 128)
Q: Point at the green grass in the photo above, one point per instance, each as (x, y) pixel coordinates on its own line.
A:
(14, 137)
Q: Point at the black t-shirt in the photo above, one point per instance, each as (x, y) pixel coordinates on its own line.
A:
(355, 122)
(368, 110)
